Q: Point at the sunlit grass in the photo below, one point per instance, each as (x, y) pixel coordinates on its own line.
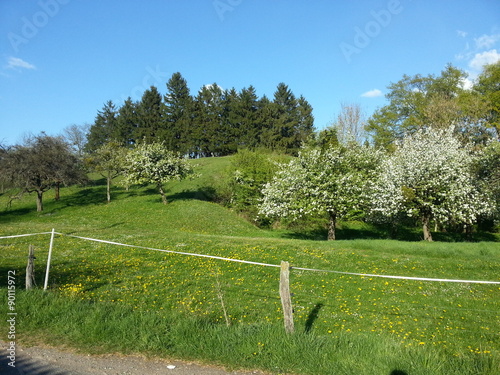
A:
(112, 298)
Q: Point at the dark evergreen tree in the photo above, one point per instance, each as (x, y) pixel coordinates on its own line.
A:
(231, 124)
(207, 134)
(178, 114)
(246, 110)
(104, 128)
(127, 123)
(265, 113)
(305, 121)
(280, 133)
(151, 117)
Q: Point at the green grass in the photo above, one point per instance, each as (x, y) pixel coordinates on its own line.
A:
(104, 298)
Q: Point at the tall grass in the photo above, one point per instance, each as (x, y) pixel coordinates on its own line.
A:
(104, 298)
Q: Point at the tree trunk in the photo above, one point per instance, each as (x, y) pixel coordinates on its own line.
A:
(39, 202)
(331, 225)
(57, 194)
(163, 196)
(425, 226)
(108, 186)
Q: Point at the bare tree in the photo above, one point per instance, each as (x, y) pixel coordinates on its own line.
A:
(76, 137)
(350, 123)
(39, 164)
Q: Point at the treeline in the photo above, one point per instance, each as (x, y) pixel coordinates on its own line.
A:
(215, 122)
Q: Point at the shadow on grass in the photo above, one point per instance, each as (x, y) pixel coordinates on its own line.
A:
(312, 317)
(401, 233)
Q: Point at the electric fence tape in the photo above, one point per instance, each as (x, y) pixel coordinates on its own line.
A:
(263, 264)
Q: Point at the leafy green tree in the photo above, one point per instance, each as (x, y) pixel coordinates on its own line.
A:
(487, 174)
(246, 177)
(104, 128)
(488, 85)
(108, 161)
(328, 182)
(429, 176)
(153, 163)
(428, 101)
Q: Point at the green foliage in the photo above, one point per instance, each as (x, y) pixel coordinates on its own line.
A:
(241, 186)
(487, 172)
(439, 102)
(488, 85)
(108, 160)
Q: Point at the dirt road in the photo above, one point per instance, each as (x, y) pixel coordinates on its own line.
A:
(40, 360)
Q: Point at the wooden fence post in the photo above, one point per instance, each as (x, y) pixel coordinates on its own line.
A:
(286, 300)
(30, 268)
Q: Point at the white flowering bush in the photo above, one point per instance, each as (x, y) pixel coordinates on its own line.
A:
(429, 177)
(154, 164)
(328, 181)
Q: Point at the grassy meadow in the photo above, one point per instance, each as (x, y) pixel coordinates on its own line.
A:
(108, 298)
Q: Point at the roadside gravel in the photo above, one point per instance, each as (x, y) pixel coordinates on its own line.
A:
(40, 360)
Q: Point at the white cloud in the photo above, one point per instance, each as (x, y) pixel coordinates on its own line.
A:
(481, 59)
(461, 33)
(467, 83)
(375, 93)
(15, 62)
(486, 41)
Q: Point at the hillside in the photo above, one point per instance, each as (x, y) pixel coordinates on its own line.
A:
(108, 298)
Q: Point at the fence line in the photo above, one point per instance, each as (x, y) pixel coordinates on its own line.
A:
(263, 264)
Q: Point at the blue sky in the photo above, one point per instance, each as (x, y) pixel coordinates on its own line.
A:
(61, 60)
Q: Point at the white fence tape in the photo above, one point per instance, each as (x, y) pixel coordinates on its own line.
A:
(265, 264)
(173, 252)
(25, 235)
(400, 277)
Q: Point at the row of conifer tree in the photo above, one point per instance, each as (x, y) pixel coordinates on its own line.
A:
(215, 122)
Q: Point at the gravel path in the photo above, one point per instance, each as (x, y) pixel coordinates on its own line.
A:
(38, 360)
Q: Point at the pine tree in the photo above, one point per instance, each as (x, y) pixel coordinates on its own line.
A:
(127, 123)
(207, 130)
(247, 113)
(104, 128)
(178, 114)
(151, 117)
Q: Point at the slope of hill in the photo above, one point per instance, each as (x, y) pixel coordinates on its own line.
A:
(108, 298)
